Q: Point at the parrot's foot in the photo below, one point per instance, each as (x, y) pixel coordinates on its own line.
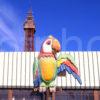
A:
(35, 89)
(42, 89)
(52, 89)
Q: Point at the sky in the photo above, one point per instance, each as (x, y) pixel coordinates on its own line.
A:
(75, 23)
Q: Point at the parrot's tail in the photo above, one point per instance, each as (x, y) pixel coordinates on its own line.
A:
(37, 82)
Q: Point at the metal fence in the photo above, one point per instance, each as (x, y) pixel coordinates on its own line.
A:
(22, 94)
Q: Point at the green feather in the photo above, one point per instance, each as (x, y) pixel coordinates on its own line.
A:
(35, 66)
(66, 56)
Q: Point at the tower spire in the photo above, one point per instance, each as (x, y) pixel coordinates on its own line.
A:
(29, 23)
(30, 17)
(29, 28)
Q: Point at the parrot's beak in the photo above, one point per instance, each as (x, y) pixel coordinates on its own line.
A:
(56, 46)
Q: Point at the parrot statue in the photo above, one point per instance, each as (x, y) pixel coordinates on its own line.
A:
(47, 66)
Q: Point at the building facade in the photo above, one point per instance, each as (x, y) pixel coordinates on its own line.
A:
(16, 69)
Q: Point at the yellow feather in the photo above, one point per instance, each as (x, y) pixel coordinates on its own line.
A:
(59, 62)
(48, 68)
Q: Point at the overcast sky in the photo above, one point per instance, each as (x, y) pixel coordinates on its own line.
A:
(75, 23)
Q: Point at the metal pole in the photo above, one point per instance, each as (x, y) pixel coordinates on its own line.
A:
(44, 96)
(10, 94)
(0, 94)
(96, 95)
(53, 95)
(47, 95)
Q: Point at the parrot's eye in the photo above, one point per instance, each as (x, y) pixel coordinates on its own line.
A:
(48, 42)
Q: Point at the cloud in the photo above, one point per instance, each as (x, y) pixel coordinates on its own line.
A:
(8, 11)
(8, 27)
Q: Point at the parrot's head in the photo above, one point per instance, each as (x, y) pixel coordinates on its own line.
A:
(51, 45)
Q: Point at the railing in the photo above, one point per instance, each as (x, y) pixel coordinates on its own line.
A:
(64, 95)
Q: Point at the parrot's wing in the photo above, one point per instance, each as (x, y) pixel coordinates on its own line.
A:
(66, 62)
(36, 73)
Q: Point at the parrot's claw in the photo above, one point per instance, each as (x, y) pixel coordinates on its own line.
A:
(52, 89)
(42, 89)
(35, 89)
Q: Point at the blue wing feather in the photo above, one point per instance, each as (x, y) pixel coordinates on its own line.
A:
(37, 81)
(77, 77)
(64, 67)
(70, 71)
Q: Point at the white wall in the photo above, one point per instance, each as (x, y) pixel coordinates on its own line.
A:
(16, 70)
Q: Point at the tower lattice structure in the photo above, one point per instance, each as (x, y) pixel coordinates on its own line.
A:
(29, 28)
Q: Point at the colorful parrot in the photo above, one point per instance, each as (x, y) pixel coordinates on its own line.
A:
(47, 66)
